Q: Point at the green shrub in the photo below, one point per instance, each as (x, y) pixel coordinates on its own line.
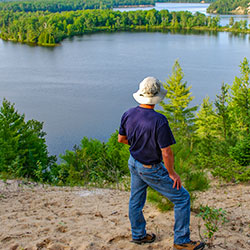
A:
(227, 169)
(118, 154)
(193, 179)
(94, 162)
(196, 181)
(213, 218)
(241, 152)
(79, 167)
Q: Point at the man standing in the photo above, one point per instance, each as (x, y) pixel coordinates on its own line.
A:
(150, 137)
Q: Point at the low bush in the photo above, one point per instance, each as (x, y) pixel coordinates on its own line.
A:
(213, 218)
(241, 152)
(94, 162)
(227, 169)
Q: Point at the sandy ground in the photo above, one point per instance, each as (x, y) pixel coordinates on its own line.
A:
(56, 218)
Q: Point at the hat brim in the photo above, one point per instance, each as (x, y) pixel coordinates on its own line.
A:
(150, 100)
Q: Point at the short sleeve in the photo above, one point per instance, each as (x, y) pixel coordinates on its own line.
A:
(122, 130)
(165, 136)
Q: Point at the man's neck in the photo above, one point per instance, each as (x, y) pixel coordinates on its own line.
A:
(147, 106)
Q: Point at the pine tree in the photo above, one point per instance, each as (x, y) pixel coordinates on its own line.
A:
(222, 111)
(10, 125)
(23, 151)
(206, 124)
(180, 116)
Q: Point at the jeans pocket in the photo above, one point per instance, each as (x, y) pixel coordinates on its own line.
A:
(149, 174)
(147, 169)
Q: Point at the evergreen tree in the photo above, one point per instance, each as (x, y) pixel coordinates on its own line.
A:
(206, 124)
(176, 109)
(23, 152)
(222, 112)
(10, 125)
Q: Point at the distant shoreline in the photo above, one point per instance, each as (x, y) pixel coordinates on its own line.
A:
(134, 6)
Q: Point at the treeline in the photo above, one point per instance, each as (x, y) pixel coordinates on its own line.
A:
(213, 137)
(70, 5)
(44, 28)
(56, 5)
(227, 6)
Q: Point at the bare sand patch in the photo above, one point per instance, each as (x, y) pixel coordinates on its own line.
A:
(36, 217)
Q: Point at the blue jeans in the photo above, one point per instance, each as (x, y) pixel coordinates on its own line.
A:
(157, 177)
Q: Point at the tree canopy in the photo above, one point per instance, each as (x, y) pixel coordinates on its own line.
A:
(69, 5)
(45, 28)
(227, 6)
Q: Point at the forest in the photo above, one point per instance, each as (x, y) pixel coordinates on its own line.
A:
(62, 5)
(49, 29)
(227, 6)
(48, 22)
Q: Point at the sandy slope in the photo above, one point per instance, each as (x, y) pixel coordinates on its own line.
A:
(36, 217)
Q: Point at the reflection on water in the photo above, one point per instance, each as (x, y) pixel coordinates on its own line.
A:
(241, 36)
(180, 31)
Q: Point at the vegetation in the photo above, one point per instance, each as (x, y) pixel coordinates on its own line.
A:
(159, 200)
(23, 151)
(48, 22)
(54, 5)
(213, 218)
(176, 109)
(48, 29)
(227, 6)
(223, 131)
(214, 139)
(72, 5)
(94, 162)
(45, 28)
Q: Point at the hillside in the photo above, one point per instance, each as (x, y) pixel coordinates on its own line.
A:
(59, 218)
(238, 7)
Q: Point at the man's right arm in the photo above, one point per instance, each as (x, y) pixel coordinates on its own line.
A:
(168, 159)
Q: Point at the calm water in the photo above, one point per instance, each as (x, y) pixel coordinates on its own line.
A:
(82, 87)
(192, 7)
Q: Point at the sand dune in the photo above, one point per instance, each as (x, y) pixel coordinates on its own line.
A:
(56, 218)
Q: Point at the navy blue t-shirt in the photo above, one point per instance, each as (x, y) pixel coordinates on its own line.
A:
(147, 132)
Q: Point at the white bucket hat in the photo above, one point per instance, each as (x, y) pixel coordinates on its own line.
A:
(151, 91)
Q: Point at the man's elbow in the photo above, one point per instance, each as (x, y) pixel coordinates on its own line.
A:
(121, 138)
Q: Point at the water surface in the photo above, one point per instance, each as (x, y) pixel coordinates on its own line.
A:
(82, 87)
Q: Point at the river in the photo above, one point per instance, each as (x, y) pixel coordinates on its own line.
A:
(82, 87)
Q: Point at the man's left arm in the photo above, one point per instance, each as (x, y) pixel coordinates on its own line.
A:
(122, 139)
